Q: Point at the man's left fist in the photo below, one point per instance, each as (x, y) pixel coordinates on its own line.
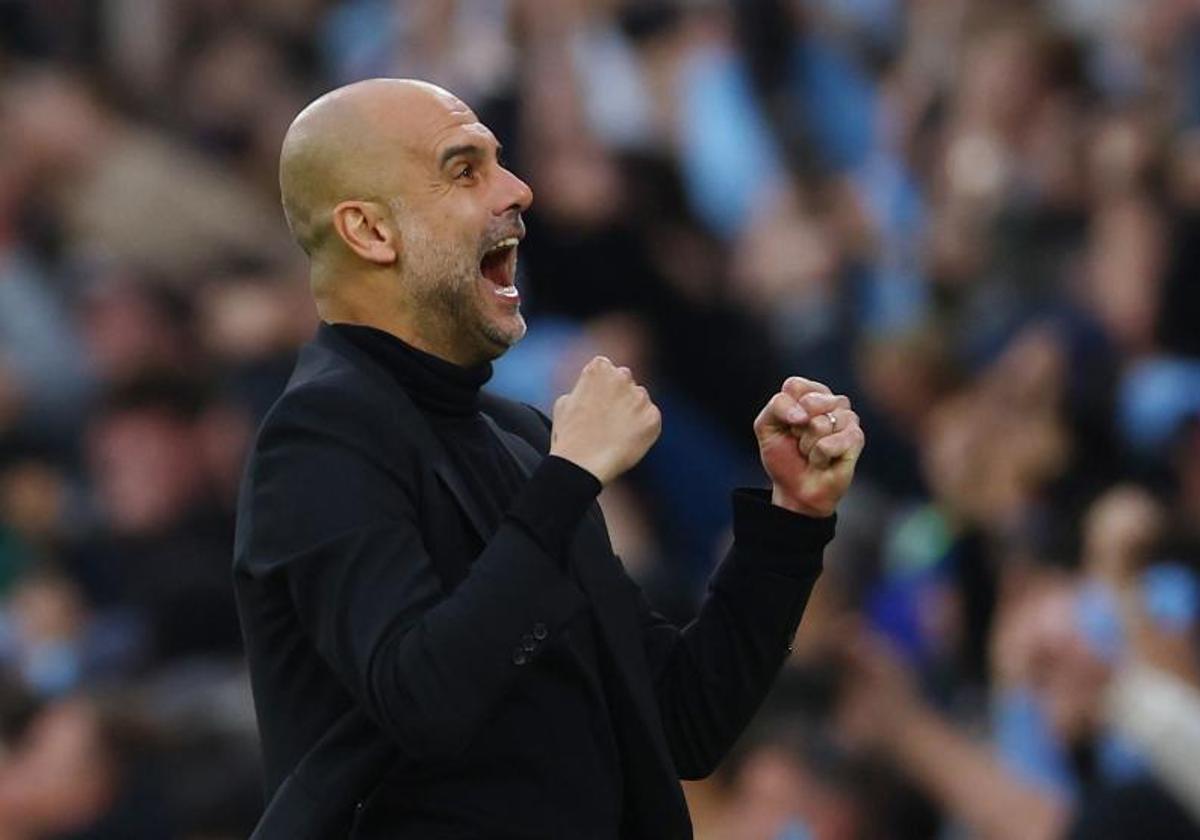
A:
(809, 441)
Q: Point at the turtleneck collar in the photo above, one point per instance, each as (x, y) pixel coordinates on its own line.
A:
(434, 384)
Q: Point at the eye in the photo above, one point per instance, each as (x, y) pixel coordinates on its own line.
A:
(465, 171)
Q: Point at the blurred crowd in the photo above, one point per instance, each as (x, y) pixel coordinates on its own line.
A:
(978, 218)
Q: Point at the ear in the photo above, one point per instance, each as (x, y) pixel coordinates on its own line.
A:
(367, 231)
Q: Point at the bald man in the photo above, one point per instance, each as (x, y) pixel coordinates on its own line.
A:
(441, 641)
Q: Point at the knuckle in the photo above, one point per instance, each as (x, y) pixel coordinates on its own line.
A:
(797, 385)
(807, 384)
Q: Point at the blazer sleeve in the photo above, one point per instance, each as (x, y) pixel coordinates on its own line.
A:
(342, 531)
(712, 675)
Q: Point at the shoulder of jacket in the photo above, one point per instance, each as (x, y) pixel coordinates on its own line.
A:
(335, 399)
(338, 399)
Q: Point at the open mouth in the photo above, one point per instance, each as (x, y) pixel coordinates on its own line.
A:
(499, 265)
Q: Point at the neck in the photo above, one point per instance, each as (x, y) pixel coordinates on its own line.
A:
(363, 304)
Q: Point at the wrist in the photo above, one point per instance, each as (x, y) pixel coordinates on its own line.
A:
(583, 464)
(781, 499)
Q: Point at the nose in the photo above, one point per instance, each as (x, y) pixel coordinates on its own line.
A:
(515, 194)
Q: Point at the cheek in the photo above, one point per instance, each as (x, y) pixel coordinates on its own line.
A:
(432, 258)
(459, 220)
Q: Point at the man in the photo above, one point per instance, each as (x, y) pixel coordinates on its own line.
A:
(441, 641)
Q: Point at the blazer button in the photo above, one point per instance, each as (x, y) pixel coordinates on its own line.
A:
(520, 657)
(539, 631)
(528, 643)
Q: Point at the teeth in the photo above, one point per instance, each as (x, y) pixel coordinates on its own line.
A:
(511, 242)
(507, 291)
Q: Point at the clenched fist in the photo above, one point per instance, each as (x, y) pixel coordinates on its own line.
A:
(809, 441)
(607, 423)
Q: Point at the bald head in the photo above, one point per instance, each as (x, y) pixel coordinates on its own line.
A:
(397, 193)
(351, 144)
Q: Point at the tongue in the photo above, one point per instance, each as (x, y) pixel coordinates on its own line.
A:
(495, 267)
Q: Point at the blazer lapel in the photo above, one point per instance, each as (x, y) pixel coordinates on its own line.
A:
(451, 569)
(450, 477)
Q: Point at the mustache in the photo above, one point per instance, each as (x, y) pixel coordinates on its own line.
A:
(513, 229)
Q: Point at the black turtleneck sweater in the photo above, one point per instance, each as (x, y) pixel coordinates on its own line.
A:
(568, 672)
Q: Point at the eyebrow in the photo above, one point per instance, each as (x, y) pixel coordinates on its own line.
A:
(469, 149)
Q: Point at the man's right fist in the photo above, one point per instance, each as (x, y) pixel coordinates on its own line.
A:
(607, 423)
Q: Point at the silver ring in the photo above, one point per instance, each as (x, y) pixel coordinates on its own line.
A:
(832, 420)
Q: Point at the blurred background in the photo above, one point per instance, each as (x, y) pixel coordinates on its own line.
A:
(979, 218)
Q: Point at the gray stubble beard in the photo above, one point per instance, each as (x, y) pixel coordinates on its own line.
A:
(442, 287)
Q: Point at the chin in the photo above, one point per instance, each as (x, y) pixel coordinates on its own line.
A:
(502, 336)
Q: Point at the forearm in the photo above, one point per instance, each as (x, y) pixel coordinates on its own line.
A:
(712, 676)
(966, 778)
(427, 666)
(432, 684)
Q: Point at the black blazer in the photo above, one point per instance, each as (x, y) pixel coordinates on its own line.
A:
(385, 649)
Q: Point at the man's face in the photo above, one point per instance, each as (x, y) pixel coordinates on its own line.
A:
(458, 211)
